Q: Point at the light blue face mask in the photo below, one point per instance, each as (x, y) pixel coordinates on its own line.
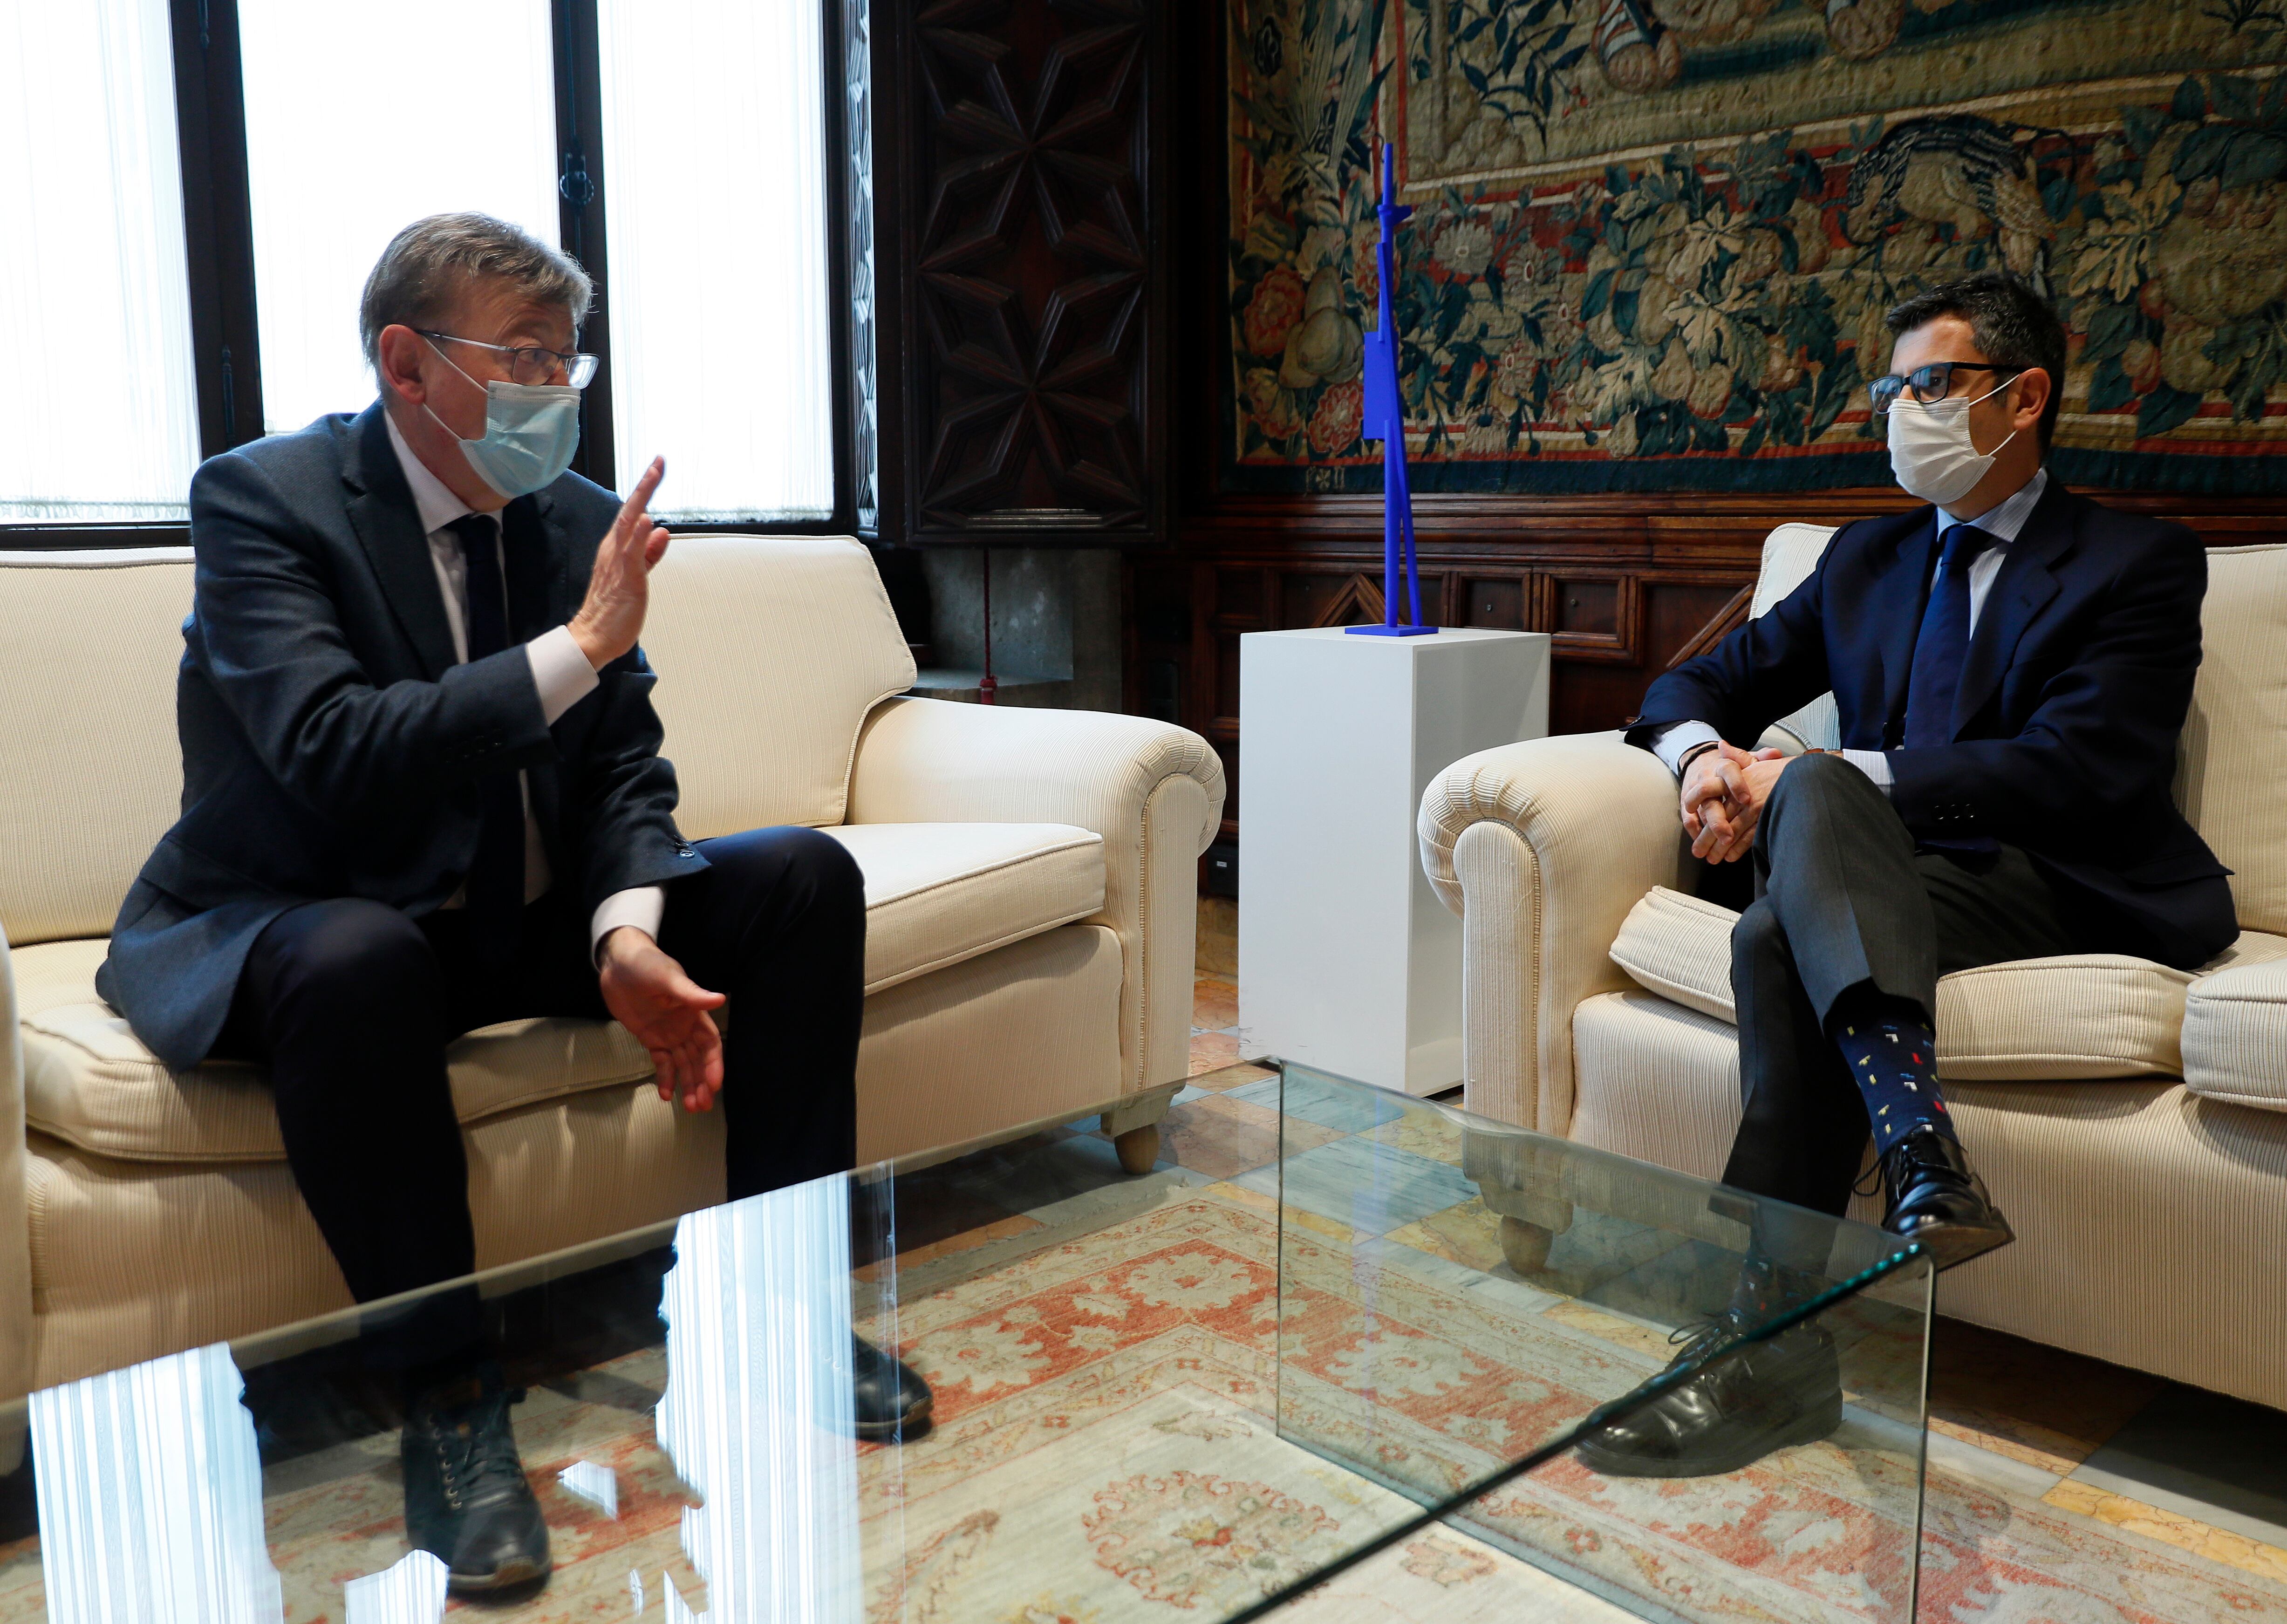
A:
(531, 430)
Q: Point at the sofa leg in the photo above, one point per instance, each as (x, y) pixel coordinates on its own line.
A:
(1525, 1245)
(1139, 1148)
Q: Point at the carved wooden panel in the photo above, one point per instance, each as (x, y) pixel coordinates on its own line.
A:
(1028, 209)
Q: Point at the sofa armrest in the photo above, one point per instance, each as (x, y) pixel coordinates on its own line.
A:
(1154, 792)
(15, 1341)
(1542, 848)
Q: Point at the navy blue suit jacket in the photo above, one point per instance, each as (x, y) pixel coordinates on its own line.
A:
(2065, 728)
(331, 746)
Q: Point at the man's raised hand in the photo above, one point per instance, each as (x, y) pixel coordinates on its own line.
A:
(619, 589)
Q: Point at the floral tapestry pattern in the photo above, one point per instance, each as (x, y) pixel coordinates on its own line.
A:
(1655, 238)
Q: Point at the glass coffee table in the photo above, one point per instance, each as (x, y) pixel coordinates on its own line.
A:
(1341, 1355)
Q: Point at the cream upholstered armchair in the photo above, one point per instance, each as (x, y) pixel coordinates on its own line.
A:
(2130, 1118)
(1030, 881)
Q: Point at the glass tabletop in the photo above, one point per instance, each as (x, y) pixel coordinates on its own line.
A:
(1340, 1353)
(1500, 1328)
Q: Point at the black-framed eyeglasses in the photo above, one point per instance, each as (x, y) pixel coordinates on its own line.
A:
(531, 363)
(1928, 384)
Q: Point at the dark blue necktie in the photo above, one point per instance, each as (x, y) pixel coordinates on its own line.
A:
(496, 887)
(1942, 644)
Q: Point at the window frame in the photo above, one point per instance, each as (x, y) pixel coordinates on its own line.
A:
(218, 228)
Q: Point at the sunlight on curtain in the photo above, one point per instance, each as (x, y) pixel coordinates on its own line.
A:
(341, 155)
(715, 182)
(100, 421)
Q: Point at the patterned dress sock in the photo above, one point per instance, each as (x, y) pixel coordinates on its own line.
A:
(1892, 1054)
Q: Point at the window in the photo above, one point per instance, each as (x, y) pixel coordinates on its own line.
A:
(202, 185)
(719, 338)
(102, 424)
(339, 159)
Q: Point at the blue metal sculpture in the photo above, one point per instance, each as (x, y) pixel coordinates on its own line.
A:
(1382, 417)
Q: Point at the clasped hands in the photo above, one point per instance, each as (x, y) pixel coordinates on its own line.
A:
(644, 989)
(1724, 789)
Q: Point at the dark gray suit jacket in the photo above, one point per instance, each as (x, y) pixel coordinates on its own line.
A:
(331, 746)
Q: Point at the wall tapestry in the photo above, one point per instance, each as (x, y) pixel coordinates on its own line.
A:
(1655, 238)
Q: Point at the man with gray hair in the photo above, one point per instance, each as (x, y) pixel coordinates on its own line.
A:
(423, 792)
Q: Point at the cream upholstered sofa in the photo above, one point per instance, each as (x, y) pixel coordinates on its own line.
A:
(1030, 880)
(2130, 1118)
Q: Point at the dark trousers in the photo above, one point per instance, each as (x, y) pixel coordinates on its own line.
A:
(352, 1004)
(1849, 903)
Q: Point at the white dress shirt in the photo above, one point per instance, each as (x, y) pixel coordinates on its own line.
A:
(559, 670)
(2002, 522)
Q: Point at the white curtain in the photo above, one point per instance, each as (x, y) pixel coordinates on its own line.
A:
(100, 422)
(714, 170)
(362, 116)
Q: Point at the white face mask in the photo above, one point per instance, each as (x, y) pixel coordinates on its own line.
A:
(1931, 453)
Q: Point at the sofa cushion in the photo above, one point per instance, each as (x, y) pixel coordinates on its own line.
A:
(2228, 762)
(770, 652)
(2027, 1020)
(935, 894)
(1790, 553)
(89, 1081)
(91, 776)
(1680, 946)
(2236, 1035)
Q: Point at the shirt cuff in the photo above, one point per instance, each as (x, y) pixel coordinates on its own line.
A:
(560, 671)
(641, 906)
(1873, 763)
(1679, 737)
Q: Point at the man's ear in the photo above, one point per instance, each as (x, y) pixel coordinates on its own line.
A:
(401, 348)
(2033, 387)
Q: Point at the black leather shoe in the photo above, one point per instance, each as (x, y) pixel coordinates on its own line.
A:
(466, 1499)
(1937, 1201)
(1770, 1396)
(893, 1402)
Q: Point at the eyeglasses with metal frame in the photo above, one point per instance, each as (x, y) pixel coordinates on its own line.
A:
(531, 363)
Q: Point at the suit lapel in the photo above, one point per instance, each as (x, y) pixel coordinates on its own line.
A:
(389, 528)
(2020, 591)
(1904, 591)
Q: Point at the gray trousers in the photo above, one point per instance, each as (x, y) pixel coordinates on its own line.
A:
(1847, 902)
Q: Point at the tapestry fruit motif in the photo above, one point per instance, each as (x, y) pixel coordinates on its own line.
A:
(1655, 238)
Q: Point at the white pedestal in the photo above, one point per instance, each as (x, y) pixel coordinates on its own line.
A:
(1347, 959)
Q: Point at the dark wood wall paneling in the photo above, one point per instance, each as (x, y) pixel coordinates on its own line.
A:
(1626, 585)
(1019, 227)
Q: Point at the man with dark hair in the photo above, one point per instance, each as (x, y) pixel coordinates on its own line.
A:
(2011, 666)
(423, 793)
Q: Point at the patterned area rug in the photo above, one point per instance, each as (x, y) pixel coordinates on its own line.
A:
(1106, 1449)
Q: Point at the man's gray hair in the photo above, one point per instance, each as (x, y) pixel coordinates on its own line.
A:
(428, 265)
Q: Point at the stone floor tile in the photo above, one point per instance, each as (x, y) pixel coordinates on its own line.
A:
(2038, 1404)
(2212, 1544)
(1214, 1005)
(1212, 1051)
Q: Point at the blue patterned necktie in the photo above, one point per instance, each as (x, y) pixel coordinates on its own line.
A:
(1941, 650)
(1943, 644)
(495, 886)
